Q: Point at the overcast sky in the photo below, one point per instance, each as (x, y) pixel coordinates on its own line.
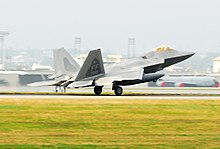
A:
(48, 24)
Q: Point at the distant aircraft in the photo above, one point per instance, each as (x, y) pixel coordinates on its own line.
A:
(187, 81)
(133, 71)
(65, 69)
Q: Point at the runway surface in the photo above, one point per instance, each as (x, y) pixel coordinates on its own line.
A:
(130, 89)
(76, 97)
(131, 93)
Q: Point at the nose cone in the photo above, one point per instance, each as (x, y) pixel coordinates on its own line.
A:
(178, 57)
(168, 55)
(188, 54)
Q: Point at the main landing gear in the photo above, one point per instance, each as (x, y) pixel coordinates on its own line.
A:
(117, 89)
(98, 90)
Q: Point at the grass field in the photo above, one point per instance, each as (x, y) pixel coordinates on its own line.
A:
(109, 123)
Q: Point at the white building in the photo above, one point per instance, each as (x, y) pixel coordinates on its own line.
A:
(110, 59)
(216, 64)
(37, 66)
(114, 58)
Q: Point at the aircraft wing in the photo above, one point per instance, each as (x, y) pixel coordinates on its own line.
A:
(131, 74)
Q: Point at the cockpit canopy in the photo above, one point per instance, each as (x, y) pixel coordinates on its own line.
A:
(163, 48)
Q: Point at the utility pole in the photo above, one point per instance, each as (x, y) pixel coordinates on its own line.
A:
(2, 36)
(131, 47)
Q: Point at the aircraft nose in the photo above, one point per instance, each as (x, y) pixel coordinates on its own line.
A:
(189, 54)
(177, 58)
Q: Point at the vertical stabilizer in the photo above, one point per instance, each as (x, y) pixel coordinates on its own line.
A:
(65, 65)
(92, 67)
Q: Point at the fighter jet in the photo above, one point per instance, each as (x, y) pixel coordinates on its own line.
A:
(65, 69)
(133, 71)
(187, 81)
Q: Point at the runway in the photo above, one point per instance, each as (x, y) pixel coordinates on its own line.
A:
(130, 92)
(130, 89)
(110, 97)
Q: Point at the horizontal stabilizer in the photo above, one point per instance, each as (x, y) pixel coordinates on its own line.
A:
(130, 74)
(79, 84)
(44, 83)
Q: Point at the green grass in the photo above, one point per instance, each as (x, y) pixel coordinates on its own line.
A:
(109, 123)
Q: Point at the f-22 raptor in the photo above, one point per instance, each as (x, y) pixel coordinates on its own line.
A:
(68, 73)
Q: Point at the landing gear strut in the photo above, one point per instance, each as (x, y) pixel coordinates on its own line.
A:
(98, 90)
(61, 89)
(57, 89)
(117, 89)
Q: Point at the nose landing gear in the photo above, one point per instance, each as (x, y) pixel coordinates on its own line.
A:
(117, 89)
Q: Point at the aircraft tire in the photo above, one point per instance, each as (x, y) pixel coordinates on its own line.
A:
(118, 90)
(98, 90)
